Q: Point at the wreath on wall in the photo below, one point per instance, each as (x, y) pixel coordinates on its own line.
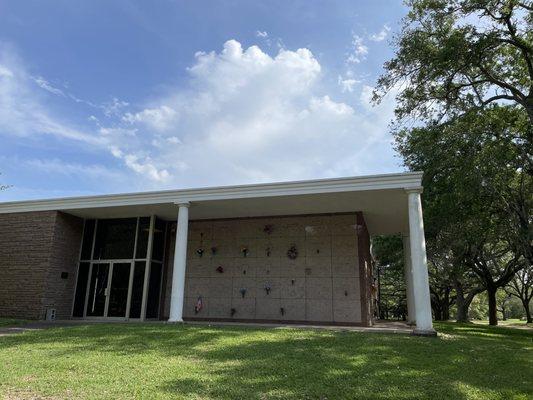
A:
(292, 253)
(268, 229)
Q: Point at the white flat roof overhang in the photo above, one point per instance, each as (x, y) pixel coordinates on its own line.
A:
(381, 198)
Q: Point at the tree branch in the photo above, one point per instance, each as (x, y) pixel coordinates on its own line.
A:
(497, 97)
(526, 6)
(519, 96)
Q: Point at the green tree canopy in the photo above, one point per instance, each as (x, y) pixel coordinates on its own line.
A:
(457, 55)
(477, 202)
(388, 253)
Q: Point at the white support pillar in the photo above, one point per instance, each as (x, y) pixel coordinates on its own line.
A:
(408, 276)
(424, 324)
(180, 260)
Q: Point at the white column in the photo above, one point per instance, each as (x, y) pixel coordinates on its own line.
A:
(408, 276)
(424, 324)
(180, 260)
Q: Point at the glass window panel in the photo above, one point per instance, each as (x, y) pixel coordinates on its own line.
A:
(81, 290)
(118, 294)
(88, 234)
(142, 237)
(154, 289)
(97, 290)
(115, 238)
(137, 289)
(159, 240)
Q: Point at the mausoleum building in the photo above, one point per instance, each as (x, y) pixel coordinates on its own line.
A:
(291, 252)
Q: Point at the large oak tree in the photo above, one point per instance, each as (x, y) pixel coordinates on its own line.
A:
(456, 55)
(463, 74)
(478, 194)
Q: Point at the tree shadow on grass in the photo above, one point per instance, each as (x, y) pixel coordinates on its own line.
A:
(252, 363)
(354, 366)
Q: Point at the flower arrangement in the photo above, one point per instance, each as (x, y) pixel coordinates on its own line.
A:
(243, 292)
(245, 251)
(220, 269)
(199, 305)
(268, 288)
(200, 252)
(292, 253)
(268, 229)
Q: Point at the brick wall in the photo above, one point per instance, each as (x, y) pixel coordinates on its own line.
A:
(34, 249)
(321, 285)
(64, 256)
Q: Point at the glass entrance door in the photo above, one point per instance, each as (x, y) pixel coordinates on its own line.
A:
(109, 289)
(120, 268)
(118, 292)
(96, 303)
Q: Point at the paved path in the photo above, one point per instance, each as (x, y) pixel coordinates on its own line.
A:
(382, 326)
(34, 326)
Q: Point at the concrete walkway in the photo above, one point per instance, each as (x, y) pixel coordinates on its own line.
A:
(34, 326)
(380, 326)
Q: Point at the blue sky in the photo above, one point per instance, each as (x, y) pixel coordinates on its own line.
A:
(120, 96)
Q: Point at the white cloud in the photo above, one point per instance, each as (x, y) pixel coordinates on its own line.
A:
(366, 95)
(44, 84)
(261, 34)
(161, 118)
(58, 167)
(326, 105)
(114, 107)
(145, 167)
(23, 112)
(359, 50)
(347, 84)
(117, 132)
(5, 72)
(247, 116)
(243, 116)
(381, 35)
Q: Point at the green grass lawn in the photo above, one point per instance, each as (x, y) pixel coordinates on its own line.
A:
(201, 362)
(8, 322)
(514, 322)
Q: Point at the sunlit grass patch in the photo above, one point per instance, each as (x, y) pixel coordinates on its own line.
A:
(203, 362)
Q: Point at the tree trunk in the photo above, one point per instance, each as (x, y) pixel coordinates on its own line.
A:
(529, 108)
(438, 313)
(462, 304)
(528, 313)
(493, 316)
(462, 311)
(436, 306)
(446, 306)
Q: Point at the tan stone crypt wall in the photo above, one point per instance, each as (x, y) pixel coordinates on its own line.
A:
(321, 285)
